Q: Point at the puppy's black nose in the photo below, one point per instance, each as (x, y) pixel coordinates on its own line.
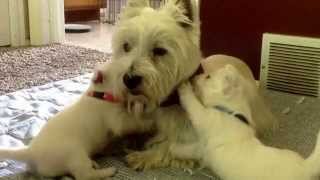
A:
(132, 81)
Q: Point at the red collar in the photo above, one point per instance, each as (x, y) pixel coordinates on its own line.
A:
(106, 96)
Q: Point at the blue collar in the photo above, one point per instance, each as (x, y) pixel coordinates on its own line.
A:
(239, 116)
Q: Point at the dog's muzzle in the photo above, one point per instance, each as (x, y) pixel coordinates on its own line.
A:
(132, 81)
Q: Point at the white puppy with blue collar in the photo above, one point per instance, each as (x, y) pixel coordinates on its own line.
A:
(221, 115)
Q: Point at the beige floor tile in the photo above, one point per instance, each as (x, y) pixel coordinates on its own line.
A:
(98, 38)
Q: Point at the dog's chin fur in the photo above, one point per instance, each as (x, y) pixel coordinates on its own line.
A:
(229, 146)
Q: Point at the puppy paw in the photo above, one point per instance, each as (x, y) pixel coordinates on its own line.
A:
(185, 88)
(95, 165)
(104, 173)
(90, 174)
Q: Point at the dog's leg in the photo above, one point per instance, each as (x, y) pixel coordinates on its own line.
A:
(157, 139)
(81, 168)
(155, 157)
(147, 159)
(185, 151)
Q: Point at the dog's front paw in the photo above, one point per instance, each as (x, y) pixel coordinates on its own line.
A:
(144, 160)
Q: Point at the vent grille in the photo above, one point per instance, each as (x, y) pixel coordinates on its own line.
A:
(291, 64)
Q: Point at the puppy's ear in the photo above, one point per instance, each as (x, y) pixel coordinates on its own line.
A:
(133, 8)
(230, 80)
(184, 11)
(231, 71)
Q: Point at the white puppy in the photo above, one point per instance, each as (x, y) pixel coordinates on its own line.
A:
(228, 145)
(69, 139)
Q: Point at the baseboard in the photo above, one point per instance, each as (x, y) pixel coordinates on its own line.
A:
(88, 13)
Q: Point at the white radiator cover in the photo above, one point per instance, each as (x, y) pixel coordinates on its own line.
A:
(290, 64)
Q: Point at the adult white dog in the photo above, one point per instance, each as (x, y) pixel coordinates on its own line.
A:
(69, 139)
(154, 51)
(220, 111)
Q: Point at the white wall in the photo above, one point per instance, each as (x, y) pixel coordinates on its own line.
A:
(18, 13)
(46, 18)
(33, 22)
(4, 23)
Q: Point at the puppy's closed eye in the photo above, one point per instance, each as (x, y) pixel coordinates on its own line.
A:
(208, 76)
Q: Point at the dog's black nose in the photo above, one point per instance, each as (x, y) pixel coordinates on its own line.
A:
(132, 81)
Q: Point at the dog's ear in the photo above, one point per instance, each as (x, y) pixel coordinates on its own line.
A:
(184, 11)
(137, 3)
(187, 9)
(133, 8)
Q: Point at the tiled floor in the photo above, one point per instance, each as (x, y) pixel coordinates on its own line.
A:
(98, 38)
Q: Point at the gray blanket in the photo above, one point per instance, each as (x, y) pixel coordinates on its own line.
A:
(23, 113)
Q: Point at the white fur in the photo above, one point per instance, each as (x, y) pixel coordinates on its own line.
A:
(144, 29)
(227, 145)
(174, 27)
(69, 139)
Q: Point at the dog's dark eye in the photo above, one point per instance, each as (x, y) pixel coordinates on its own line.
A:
(159, 51)
(208, 77)
(126, 47)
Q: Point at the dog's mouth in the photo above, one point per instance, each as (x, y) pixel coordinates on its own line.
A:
(172, 99)
(136, 104)
(136, 93)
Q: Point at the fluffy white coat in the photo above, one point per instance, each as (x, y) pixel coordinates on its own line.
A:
(162, 48)
(69, 139)
(227, 145)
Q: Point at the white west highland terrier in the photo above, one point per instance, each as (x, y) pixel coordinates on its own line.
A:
(154, 51)
(219, 110)
(69, 139)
